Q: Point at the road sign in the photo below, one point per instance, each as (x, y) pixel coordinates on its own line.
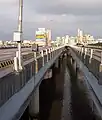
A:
(17, 36)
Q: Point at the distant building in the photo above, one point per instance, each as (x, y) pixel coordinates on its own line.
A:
(79, 36)
(66, 39)
(40, 36)
(88, 39)
(72, 40)
(99, 40)
(1, 42)
(63, 40)
(26, 41)
(58, 40)
(43, 37)
(48, 37)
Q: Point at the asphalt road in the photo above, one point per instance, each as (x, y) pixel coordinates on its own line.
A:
(10, 53)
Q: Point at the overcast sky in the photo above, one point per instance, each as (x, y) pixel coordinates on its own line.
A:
(61, 16)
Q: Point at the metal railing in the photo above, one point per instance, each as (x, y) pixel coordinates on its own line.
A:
(91, 58)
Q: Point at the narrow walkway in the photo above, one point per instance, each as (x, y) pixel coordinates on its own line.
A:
(81, 109)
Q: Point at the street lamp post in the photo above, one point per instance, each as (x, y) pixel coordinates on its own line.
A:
(18, 34)
(20, 31)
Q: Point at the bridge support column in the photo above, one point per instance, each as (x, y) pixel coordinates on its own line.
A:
(34, 105)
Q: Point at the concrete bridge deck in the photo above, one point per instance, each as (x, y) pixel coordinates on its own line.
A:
(21, 88)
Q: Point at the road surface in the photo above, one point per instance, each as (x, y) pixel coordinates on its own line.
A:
(10, 53)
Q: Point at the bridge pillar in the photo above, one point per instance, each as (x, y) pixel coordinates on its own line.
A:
(34, 105)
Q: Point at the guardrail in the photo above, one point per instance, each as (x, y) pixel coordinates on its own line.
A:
(10, 47)
(14, 82)
(10, 62)
(6, 63)
(95, 46)
(94, 89)
(27, 56)
(92, 58)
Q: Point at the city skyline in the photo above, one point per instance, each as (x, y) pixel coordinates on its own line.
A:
(61, 16)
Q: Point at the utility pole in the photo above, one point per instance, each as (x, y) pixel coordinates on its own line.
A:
(20, 19)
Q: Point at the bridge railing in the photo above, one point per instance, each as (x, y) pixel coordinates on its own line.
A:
(15, 81)
(92, 58)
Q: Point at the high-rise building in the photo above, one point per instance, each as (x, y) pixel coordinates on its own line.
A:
(48, 37)
(43, 37)
(66, 39)
(40, 35)
(80, 36)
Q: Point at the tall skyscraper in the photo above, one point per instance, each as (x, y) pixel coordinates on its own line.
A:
(48, 37)
(80, 36)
